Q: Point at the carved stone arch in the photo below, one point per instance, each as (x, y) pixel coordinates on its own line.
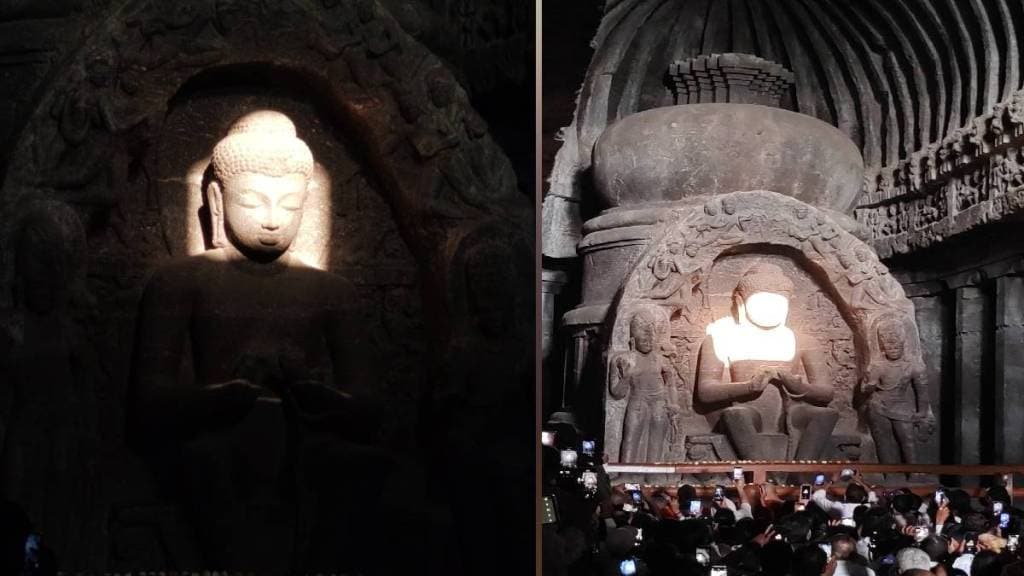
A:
(685, 249)
(90, 142)
(436, 166)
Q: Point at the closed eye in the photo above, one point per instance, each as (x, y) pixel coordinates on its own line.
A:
(249, 200)
(291, 202)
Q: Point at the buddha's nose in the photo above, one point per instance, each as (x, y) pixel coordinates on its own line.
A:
(271, 221)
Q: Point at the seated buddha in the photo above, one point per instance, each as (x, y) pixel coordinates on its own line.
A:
(764, 378)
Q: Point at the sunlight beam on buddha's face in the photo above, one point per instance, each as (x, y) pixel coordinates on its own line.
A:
(758, 329)
(767, 309)
(277, 205)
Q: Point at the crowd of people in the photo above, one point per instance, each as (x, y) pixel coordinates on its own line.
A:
(834, 526)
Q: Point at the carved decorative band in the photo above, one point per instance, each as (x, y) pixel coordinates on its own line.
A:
(987, 191)
(965, 149)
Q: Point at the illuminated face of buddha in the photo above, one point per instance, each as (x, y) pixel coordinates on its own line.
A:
(262, 213)
(757, 329)
(767, 309)
(762, 296)
(261, 177)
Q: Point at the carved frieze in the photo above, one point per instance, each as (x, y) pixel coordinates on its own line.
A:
(974, 176)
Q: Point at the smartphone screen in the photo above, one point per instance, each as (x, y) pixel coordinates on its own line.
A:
(737, 473)
(1004, 520)
(588, 448)
(547, 438)
(627, 567)
(997, 508)
(568, 458)
(590, 480)
(719, 493)
(702, 556)
(548, 513)
(695, 507)
(639, 535)
(32, 550)
(637, 496)
(805, 492)
(939, 497)
(819, 480)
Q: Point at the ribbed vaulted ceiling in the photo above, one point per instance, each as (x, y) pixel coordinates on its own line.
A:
(896, 75)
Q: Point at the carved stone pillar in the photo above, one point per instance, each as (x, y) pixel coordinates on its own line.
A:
(931, 312)
(971, 309)
(551, 284)
(1009, 369)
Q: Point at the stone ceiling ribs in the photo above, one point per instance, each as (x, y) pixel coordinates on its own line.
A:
(904, 79)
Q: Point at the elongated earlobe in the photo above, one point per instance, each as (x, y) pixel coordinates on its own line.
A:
(215, 200)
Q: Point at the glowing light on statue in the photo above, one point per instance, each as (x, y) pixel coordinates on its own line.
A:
(311, 244)
(758, 330)
(774, 385)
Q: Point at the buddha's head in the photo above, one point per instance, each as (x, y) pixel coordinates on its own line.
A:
(890, 339)
(642, 332)
(261, 173)
(762, 296)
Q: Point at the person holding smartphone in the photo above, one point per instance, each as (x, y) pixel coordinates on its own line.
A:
(744, 510)
(857, 493)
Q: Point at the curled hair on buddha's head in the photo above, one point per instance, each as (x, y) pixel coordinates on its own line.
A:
(263, 142)
(764, 277)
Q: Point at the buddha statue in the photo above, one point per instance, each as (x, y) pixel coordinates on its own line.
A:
(249, 368)
(750, 367)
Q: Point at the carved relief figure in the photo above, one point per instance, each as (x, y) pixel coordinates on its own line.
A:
(269, 415)
(48, 423)
(668, 268)
(967, 192)
(752, 361)
(899, 413)
(1000, 175)
(1015, 112)
(995, 127)
(802, 228)
(648, 378)
(827, 239)
(722, 227)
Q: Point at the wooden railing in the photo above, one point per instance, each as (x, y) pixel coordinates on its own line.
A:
(758, 472)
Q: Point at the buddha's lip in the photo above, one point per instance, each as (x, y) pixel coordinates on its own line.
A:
(269, 239)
